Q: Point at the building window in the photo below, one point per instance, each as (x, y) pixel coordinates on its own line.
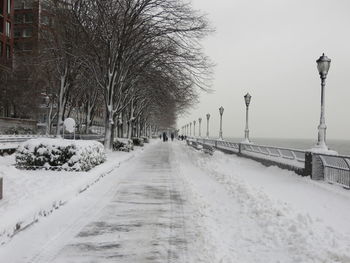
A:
(28, 4)
(18, 46)
(24, 4)
(9, 6)
(27, 46)
(1, 7)
(1, 25)
(45, 20)
(1, 49)
(18, 4)
(27, 32)
(8, 29)
(17, 32)
(18, 18)
(8, 52)
(28, 18)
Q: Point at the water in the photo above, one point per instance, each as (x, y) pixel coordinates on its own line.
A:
(341, 146)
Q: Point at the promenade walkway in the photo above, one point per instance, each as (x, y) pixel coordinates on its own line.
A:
(175, 204)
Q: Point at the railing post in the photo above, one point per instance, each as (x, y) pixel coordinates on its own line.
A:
(308, 164)
(1, 187)
(317, 172)
(348, 164)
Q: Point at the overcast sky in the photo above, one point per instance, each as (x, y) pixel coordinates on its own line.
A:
(269, 48)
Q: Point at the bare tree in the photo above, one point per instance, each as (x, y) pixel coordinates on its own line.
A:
(129, 37)
(60, 51)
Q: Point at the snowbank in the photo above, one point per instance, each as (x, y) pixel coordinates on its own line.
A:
(31, 195)
(252, 213)
(59, 154)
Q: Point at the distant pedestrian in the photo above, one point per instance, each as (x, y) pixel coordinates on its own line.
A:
(160, 136)
(172, 136)
(164, 137)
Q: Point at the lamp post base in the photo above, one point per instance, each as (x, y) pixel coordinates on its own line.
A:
(322, 148)
(246, 141)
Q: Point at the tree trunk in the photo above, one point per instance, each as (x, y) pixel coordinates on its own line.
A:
(108, 128)
(131, 120)
(61, 102)
(48, 127)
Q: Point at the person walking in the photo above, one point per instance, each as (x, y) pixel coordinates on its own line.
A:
(172, 136)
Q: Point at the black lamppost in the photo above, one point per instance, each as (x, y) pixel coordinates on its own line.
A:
(208, 117)
(323, 64)
(247, 99)
(221, 111)
(194, 128)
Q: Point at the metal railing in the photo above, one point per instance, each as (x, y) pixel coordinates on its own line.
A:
(281, 155)
(19, 138)
(330, 168)
(336, 169)
(286, 156)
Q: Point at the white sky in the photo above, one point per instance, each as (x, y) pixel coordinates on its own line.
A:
(269, 48)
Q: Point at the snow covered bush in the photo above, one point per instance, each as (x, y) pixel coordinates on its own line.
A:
(59, 154)
(137, 141)
(145, 139)
(124, 145)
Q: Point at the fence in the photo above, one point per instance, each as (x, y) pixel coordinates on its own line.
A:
(336, 169)
(330, 168)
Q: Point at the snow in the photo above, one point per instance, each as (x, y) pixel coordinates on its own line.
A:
(5, 146)
(257, 214)
(78, 155)
(177, 204)
(324, 151)
(30, 195)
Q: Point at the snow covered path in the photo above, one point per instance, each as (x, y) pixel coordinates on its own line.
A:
(175, 204)
(253, 213)
(136, 214)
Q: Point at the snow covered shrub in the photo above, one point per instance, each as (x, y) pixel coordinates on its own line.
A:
(124, 145)
(59, 154)
(145, 139)
(137, 141)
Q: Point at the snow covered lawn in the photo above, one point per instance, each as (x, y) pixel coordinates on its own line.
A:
(252, 213)
(29, 195)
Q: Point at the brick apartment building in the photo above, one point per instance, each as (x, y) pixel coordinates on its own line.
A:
(6, 34)
(27, 21)
(20, 25)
